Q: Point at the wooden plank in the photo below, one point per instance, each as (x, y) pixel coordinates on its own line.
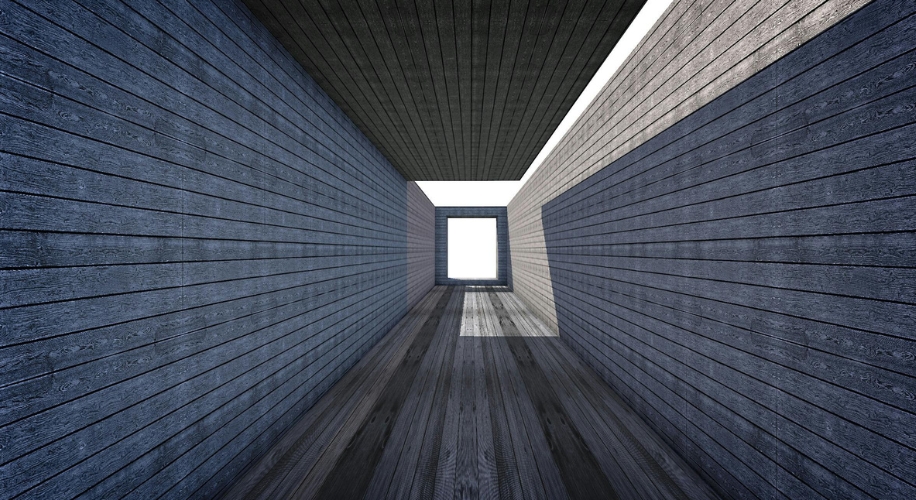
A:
(538, 478)
(668, 420)
(836, 399)
(646, 462)
(579, 469)
(206, 103)
(168, 371)
(506, 458)
(507, 51)
(888, 250)
(524, 320)
(222, 445)
(181, 129)
(179, 138)
(465, 21)
(216, 339)
(546, 469)
(469, 320)
(424, 479)
(738, 170)
(487, 473)
(262, 359)
(488, 316)
(214, 301)
(466, 482)
(300, 447)
(158, 302)
(616, 461)
(404, 457)
(467, 426)
(369, 25)
(635, 434)
(739, 394)
(447, 462)
(341, 417)
(353, 470)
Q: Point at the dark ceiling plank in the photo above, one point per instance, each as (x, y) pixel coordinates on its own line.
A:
(618, 22)
(518, 11)
(565, 46)
(284, 25)
(277, 18)
(445, 20)
(401, 25)
(384, 133)
(463, 13)
(616, 17)
(372, 34)
(497, 28)
(522, 79)
(479, 47)
(405, 32)
(347, 53)
(460, 90)
(552, 36)
(431, 39)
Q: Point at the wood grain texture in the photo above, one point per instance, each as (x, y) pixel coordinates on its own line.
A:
(705, 274)
(197, 244)
(518, 416)
(421, 244)
(579, 469)
(290, 465)
(455, 90)
(696, 52)
(351, 474)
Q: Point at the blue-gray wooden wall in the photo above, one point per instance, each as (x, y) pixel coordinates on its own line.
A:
(502, 243)
(196, 244)
(747, 278)
(421, 241)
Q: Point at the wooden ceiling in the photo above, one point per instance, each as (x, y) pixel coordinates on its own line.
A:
(452, 90)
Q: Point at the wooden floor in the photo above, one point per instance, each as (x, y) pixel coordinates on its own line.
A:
(470, 396)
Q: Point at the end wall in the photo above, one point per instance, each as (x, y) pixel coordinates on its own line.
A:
(503, 270)
(727, 236)
(196, 244)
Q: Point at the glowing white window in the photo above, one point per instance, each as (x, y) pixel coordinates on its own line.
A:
(472, 248)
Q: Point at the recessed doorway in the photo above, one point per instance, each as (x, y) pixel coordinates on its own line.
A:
(472, 248)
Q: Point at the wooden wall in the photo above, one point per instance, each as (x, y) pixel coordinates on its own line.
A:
(503, 269)
(196, 244)
(421, 244)
(743, 274)
(452, 90)
(697, 51)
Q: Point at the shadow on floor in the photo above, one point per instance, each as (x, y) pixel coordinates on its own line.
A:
(470, 396)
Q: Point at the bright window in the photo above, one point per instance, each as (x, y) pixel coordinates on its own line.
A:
(472, 248)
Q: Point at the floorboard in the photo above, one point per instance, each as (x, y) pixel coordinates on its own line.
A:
(470, 396)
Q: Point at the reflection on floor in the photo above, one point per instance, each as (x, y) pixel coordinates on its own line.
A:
(470, 396)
